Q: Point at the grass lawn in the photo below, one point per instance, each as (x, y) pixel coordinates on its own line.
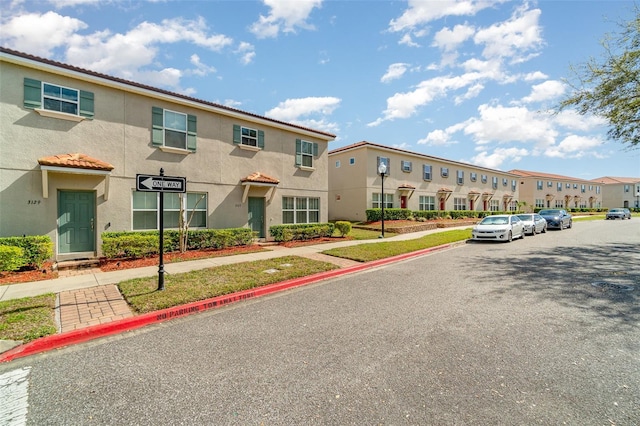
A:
(374, 251)
(366, 234)
(142, 294)
(27, 319)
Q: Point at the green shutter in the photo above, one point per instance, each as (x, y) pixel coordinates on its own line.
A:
(237, 137)
(261, 139)
(32, 93)
(157, 122)
(86, 104)
(191, 132)
(298, 152)
(315, 149)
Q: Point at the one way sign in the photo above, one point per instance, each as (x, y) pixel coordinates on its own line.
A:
(161, 183)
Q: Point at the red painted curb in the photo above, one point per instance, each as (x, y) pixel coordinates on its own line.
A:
(103, 330)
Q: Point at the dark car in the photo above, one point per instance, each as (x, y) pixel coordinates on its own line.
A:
(557, 218)
(619, 214)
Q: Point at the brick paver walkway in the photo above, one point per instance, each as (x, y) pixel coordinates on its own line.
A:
(91, 306)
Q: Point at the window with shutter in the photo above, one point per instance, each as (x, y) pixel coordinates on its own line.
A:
(52, 100)
(173, 131)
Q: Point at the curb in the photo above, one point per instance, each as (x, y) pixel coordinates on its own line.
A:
(57, 341)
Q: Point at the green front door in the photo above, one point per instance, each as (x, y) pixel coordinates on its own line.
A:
(76, 221)
(256, 216)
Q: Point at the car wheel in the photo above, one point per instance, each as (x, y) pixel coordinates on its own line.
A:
(509, 237)
(561, 226)
(544, 229)
(522, 234)
(570, 224)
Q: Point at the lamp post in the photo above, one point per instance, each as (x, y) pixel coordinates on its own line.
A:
(382, 169)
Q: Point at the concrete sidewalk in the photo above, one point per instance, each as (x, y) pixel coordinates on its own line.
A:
(92, 298)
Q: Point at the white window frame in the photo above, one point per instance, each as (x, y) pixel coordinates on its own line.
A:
(388, 200)
(182, 132)
(302, 209)
(460, 203)
(406, 166)
(427, 202)
(60, 99)
(427, 172)
(170, 208)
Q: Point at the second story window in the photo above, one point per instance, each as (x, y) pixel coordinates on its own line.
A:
(248, 137)
(173, 130)
(444, 172)
(460, 177)
(406, 166)
(494, 182)
(305, 153)
(66, 101)
(559, 186)
(386, 162)
(426, 172)
(483, 178)
(539, 184)
(473, 177)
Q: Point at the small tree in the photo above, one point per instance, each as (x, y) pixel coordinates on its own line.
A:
(183, 225)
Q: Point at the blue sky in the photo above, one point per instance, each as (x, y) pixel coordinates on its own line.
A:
(468, 80)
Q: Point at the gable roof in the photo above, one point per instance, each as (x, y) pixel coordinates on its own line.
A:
(75, 161)
(26, 59)
(616, 180)
(527, 173)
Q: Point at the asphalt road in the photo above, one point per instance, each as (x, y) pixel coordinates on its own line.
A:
(544, 330)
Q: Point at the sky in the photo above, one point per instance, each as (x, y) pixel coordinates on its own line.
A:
(474, 81)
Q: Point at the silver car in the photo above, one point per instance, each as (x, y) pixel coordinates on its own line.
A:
(619, 214)
(533, 223)
(503, 227)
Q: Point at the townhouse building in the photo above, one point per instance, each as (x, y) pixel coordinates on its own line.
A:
(73, 142)
(619, 191)
(412, 181)
(546, 190)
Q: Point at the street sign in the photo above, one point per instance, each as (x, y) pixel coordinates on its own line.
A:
(150, 183)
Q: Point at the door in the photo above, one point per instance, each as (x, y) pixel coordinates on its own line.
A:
(256, 216)
(76, 221)
(403, 201)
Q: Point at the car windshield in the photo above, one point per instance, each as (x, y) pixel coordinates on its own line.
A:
(501, 220)
(549, 212)
(616, 210)
(525, 216)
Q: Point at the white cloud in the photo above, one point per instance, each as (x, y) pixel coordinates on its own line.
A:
(574, 146)
(571, 120)
(39, 34)
(285, 16)
(513, 37)
(447, 39)
(247, 52)
(436, 138)
(293, 109)
(394, 72)
(550, 89)
(59, 4)
(499, 156)
(536, 75)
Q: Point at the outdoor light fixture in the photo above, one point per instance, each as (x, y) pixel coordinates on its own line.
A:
(382, 169)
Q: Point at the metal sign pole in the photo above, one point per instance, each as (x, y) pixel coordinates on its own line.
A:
(161, 248)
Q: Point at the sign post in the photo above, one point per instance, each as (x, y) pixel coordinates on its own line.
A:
(162, 184)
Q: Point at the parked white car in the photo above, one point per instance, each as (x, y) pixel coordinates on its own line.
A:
(533, 223)
(503, 227)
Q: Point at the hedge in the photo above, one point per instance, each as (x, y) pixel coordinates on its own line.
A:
(145, 243)
(11, 258)
(36, 249)
(343, 227)
(301, 231)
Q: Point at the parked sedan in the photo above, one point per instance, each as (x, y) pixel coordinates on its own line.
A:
(533, 223)
(619, 214)
(557, 218)
(504, 227)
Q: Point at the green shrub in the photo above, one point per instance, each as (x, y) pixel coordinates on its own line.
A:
(11, 258)
(343, 227)
(301, 231)
(37, 249)
(146, 243)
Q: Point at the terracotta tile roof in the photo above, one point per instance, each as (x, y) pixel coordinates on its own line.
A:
(258, 177)
(473, 192)
(155, 89)
(76, 161)
(612, 180)
(526, 173)
(444, 190)
(406, 186)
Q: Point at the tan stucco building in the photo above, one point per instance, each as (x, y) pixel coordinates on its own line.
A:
(546, 190)
(619, 191)
(413, 181)
(73, 141)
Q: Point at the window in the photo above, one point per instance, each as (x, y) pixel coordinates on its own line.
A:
(549, 184)
(494, 182)
(583, 188)
(427, 202)
(505, 181)
(426, 172)
(590, 187)
(539, 202)
(300, 210)
(559, 186)
(388, 201)
(568, 186)
(146, 205)
(459, 203)
(173, 130)
(627, 188)
(248, 137)
(473, 177)
(494, 205)
(406, 166)
(514, 184)
(539, 184)
(386, 162)
(48, 97)
(483, 178)
(338, 164)
(352, 161)
(460, 177)
(597, 189)
(305, 152)
(444, 172)
(559, 204)
(575, 186)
